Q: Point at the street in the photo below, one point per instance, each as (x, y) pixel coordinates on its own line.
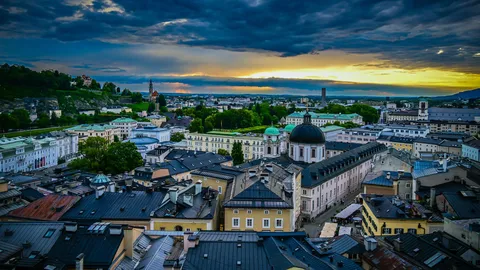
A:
(314, 229)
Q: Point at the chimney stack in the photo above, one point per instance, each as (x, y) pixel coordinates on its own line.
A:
(324, 97)
(189, 240)
(99, 192)
(432, 197)
(397, 245)
(115, 229)
(71, 226)
(111, 187)
(79, 262)
(370, 243)
(173, 193)
(198, 187)
(388, 175)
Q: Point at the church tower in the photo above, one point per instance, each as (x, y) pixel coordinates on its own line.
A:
(423, 109)
(150, 88)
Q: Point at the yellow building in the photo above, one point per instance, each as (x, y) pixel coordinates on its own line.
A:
(388, 215)
(217, 177)
(266, 200)
(187, 208)
(105, 131)
(398, 143)
(252, 146)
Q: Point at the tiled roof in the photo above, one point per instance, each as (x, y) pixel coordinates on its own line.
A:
(320, 172)
(257, 196)
(134, 205)
(203, 205)
(384, 258)
(342, 146)
(33, 232)
(99, 249)
(50, 208)
(382, 179)
(9, 194)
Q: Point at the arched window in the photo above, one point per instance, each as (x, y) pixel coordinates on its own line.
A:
(178, 228)
(269, 150)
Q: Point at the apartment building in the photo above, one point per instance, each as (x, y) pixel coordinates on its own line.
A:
(126, 125)
(320, 119)
(329, 181)
(359, 135)
(426, 147)
(471, 150)
(108, 132)
(161, 134)
(398, 143)
(253, 146)
(67, 143)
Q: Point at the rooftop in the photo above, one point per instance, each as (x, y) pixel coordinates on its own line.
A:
(341, 146)
(386, 178)
(124, 120)
(464, 204)
(348, 117)
(50, 208)
(142, 140)
(93, 127)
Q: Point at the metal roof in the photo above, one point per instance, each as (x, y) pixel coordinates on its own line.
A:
(51, 208)
(464, 207)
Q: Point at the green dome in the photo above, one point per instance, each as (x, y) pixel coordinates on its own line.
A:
(288, 128)
(272, 131)
(100, 179)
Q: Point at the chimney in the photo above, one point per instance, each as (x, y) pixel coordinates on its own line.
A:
(370, 243)
(111, 187)
(79, 262)
(432, 197)
(269, 167)
(251, 173)
(3, 186)
(198, 187)
(115, 229)
(173, 193)
(445, 162)
(99, 192)
(189, 240)
(397, 245)
(388, 175)
(71, 226)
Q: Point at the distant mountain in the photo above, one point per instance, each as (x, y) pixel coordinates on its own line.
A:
(475, 93)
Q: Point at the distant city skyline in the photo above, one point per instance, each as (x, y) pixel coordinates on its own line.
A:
(353, 48)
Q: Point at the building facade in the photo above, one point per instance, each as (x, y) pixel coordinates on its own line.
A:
(320, 119)
(471, 150)
(126, 125)
(426, 147)
(67, 144)
(108, 132)
(27, 154)
(161, 134)
(252, 146)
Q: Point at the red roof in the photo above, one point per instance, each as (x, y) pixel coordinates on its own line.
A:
(155, 94)
(51, 208)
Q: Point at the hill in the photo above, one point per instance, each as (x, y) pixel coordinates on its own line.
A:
(475, 93)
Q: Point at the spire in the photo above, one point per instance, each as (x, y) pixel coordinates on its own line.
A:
(150, 87)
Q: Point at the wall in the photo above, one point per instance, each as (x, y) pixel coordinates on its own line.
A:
(462, 233)
(215, 183)
(169, 224)
(371, 189)
(258, 215)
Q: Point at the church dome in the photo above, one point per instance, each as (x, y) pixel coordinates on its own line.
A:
(288, 128)
(272, 131)
(307, 133)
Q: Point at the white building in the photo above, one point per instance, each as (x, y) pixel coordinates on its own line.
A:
(471, 150)
(320, 119)
(144, 144)
(67, 144)
(306, 143)
(27, 154)
(161, 134)
(85, 131)
(126, 125)
(332, 180)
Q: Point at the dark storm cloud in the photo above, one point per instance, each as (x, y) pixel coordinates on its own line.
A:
(410, 33)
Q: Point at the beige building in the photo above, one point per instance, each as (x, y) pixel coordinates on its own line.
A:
(435, 126)
(105, 131)
(426, 147)
(157, 120)
(214, 140)
(401, 116)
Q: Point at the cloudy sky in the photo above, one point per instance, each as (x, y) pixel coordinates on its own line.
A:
(359, 47)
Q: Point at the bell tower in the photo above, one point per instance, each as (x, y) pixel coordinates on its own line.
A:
(423, 109)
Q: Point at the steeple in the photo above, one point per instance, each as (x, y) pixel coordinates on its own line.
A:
(150, 88)
(307, 118)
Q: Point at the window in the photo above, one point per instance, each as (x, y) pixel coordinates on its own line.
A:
(279, 212)
(386, 231)
(304, 192)
(279, 223)
(398, 230)
(49, 233)
(266, 212)
(266, 223)
(249, 223)
(219, 190)
(408, 185)
(235, 222)
(188, 230)
(162, 228)
(313, 153)
(414, 231)
(235, 211)
(301, 152)
(33, 254)
(407, 196)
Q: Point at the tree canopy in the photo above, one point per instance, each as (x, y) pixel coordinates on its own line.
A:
(369, 114)
(177, 137)
(223, 152)
(237, 153)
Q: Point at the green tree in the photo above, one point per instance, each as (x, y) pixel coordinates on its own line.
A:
(163, 109)
(116, 139)
(122, 157)
(126, 92)
(237, 153)
(223, 152)
(79, 82)
(54, 119)
(137, 97)
(23, 118)
(94, 85)
(161, 100)
(43, 120)
(196, 126)
(177, 137)
(7, 122)
(109, 87)
(94, 151)
(151, 107)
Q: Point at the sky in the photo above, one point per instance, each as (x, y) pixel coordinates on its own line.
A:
(353, 48)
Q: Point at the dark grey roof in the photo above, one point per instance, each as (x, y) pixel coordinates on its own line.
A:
(424, 192)
(179, 153)
(464, 207)
(134, 205)
(31, 194)
(218, 171)
(33, 232)
(307, 133)
(322, 171)
(345, 244)
(412, 113)
(383, 180)
(7, 208)
(342, 146)
(228, 236)
(99, 249)
(9, 250)
(396, 139)
(474, 143)
(258, 195)
(201, 208)
(426, 253)
(9, 194)
(22, 179)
